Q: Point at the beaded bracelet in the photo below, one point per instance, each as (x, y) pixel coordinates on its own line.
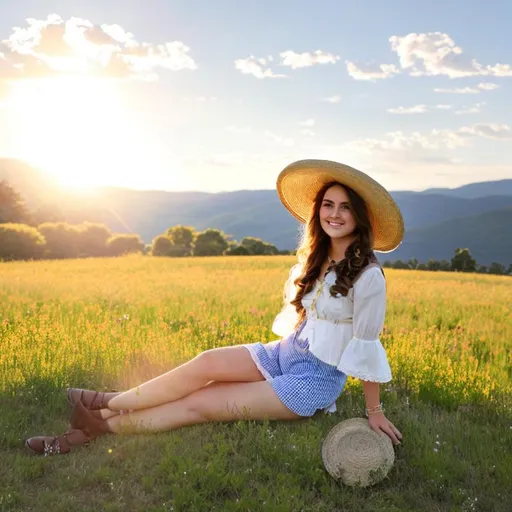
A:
(374, 409)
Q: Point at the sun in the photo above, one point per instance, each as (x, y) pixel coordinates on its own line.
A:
(78, 129)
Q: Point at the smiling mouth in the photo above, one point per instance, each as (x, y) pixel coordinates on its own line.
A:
(335, 224)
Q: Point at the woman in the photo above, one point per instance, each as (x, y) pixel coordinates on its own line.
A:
(335, 301)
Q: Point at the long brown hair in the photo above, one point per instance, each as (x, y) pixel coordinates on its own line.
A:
(314, 245)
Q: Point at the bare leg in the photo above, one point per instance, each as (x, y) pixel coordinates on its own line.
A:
(105, 414)
(227, 364)
(219, 401)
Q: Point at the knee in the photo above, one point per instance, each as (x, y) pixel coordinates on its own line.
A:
(206, 362)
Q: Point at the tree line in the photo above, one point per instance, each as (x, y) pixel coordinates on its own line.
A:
(462, 261)
(23, 238)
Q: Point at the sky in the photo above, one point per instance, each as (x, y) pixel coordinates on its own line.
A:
(221, 95)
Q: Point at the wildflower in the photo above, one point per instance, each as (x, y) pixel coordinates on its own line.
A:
(109, 450)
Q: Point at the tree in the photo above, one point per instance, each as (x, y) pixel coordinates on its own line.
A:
(462, 261)
(210, 242)
(182, 239)
(497, 268)
(445, 266)
(400, 265)
(120, 244)
(161, 246)
(258, 247)
(61, 239)
(237, 250)
(433, 265)
(481, 269)
(12, 207)
(509, 270)
(412, 264)
(20, 242)
(92, 239)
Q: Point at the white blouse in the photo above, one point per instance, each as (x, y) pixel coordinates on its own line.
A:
(342, 331)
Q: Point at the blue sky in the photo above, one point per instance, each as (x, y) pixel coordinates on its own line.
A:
(221, 95)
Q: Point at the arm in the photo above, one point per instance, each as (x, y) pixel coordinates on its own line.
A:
(365, 357)
(376, 418)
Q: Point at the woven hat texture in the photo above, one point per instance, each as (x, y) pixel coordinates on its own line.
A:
(356, 455)
(299, 182)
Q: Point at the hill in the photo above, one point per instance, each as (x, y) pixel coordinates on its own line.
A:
(259, 213)
(487, 235)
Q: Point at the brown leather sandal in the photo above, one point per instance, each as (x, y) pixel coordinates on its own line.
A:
(92, 400)
(83, 420)
(56, 445)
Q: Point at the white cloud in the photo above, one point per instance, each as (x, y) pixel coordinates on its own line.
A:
(500, 70)
(488, 86)
(418, 109)
(482, 86)
(308, 133)
(332, 99)
(51, 46)
(488, 130)
(278, 139)
(307, 59)
(394, 143)
(474, 109)
(431, 54)
(308, 122)
(256, 67)
(458, 90)
(371, 71)
(435, 53)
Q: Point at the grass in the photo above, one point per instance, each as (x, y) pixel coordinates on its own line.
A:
(111, 323)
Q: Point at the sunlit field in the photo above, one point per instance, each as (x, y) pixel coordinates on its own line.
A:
(111, 323)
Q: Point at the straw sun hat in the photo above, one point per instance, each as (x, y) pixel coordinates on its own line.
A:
(299, 182)
(354, 454)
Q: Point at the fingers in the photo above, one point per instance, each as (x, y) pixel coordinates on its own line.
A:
(396, 431)
(391, 431)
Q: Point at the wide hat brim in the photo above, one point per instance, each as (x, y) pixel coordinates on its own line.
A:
(299, 183)
(355, 455)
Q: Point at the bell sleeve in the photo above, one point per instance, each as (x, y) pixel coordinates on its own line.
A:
(365, 357)
(284, 323)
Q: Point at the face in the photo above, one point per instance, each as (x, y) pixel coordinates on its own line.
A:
(335, 214)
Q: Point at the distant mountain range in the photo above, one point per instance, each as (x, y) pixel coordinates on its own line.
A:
(478, 215)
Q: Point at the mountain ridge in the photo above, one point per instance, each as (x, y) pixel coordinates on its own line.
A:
(259, 213)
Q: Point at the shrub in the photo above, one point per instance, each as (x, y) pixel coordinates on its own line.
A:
(120, 244)
(20, 242)
(237, 250)
(61, 239)
(161, 246)
(92, 239)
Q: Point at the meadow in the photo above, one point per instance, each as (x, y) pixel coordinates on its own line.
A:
(111, 323)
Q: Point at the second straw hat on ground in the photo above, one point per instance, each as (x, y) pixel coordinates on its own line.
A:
(299, 182)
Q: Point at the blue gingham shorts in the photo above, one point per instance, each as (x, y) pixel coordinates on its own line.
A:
(302, 382)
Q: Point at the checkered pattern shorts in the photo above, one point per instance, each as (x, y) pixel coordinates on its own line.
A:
(302, 382)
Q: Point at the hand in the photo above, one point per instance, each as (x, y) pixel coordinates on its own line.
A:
(380, 423)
